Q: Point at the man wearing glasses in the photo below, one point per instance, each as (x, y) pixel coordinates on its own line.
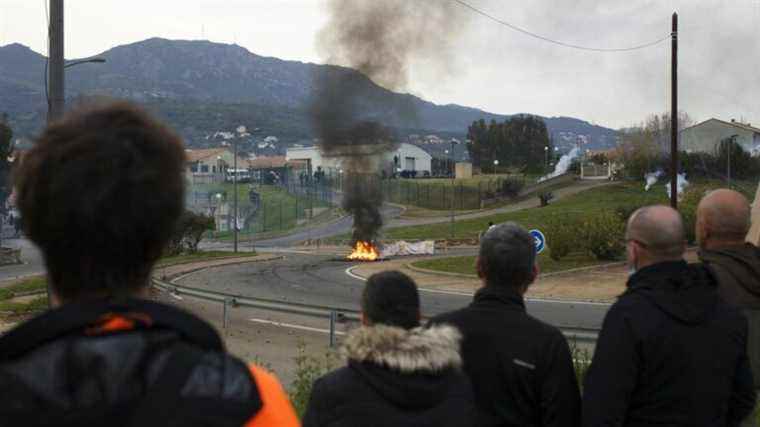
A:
(670, 352)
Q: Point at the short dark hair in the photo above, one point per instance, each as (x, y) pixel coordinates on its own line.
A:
(100, 194)
(507, 255)
(391, 298)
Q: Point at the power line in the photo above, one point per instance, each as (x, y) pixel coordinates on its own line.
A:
(557, 42)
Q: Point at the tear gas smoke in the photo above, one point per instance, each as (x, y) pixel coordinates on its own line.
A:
(563, 164)
(681, 184)
(651, 179)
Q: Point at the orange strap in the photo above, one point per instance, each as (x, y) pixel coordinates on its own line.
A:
(277, 410)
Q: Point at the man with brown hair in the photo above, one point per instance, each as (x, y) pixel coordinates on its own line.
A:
(723, 220)
(670, 352)
(100, 194)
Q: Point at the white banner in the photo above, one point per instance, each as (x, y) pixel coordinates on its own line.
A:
(402, 248)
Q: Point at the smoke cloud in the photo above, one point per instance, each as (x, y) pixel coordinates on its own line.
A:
(380, 39)
(563, 164)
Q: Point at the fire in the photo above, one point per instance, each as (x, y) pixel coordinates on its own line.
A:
(364, 251)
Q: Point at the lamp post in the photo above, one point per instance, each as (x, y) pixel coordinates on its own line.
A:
(495, 165)
(546, 160)
(54, 85)
(218, 207)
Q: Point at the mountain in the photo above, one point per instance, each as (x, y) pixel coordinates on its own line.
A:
(202, 87)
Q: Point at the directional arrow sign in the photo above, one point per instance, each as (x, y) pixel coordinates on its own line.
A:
(539, 240)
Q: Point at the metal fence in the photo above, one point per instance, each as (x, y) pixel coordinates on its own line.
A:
(333, 315)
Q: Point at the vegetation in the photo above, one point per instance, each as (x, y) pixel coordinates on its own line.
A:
(308, 369)
(578, 206)
(519, 142)
(30, 305)
(200, 256)
(6, 151)
(466, 264)
(188, 233)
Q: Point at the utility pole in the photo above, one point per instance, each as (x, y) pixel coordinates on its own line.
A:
(56, 91)
(674, 115)
(235, 190)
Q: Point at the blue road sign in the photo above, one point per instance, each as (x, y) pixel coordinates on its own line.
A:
(539, 239)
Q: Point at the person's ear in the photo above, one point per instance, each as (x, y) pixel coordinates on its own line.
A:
(480, 268)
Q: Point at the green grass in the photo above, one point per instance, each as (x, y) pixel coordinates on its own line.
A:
(200, 256)
(36, 305)
(584, 203)
(28, 285)
(466, 264)
(279, 210)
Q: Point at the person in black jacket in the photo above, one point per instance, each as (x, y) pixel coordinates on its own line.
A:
(670, 351)
(723, 220)
(101, 193)
(398, 373)
(521, 368)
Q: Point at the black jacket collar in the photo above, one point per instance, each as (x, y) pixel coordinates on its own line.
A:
(74, 317)
(501, 294)
(657, 272)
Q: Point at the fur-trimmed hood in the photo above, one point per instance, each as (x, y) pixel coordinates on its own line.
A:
(423, 349)
(415, 369)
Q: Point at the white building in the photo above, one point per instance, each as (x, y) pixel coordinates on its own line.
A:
(406, 157)
(705, 136)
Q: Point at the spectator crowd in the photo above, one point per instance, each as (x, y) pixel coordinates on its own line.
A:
(102, 189)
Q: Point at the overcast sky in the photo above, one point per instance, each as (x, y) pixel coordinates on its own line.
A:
(491, 67)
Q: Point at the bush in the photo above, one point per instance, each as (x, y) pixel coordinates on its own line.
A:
(188, 233)
(564, 237)
(308, 370)
(625, 211)
(512, 187)
(544, 198)
(603, 236)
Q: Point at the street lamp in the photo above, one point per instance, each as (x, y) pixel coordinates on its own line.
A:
(546, 161)
(55, 108)
(495, 165)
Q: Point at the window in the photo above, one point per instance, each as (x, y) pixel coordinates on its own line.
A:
(204, 168)
(194, 167)
(213, 169)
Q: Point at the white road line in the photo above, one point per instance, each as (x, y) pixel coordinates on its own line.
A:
(294, 326)
(349, 271)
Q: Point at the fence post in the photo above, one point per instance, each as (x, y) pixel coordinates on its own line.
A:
(333, 316)
(225, 315)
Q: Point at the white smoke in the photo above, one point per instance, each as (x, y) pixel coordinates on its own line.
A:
(681, 184)
(755, 151)
(651, 179)
(563, 164)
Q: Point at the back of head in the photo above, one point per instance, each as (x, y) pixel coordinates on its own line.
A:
(723, 217)
(100, 194)
(391, 298)
(659, 231)
(507, 255)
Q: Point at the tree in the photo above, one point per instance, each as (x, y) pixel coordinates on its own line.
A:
(6, 150)
(645, 147)
(519, 142)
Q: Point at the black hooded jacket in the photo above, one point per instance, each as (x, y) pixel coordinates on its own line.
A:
(670, 352)
(395, 378)
(121, 363)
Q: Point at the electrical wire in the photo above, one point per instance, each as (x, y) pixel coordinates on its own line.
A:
(557, 42)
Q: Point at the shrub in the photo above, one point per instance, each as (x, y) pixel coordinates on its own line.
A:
(625, 211)
(603, 236)
(308, 369)
(544, 198)
(188, 233)
(511, 187)
(563, 237)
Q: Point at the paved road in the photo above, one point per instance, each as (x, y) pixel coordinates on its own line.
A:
(322, 280)
(30, 255)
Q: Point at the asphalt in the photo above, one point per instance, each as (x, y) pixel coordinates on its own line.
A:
(322, 280)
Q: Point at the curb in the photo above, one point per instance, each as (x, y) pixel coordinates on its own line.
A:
(233, 261)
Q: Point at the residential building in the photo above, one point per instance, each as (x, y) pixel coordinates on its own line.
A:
(208, 166)
(706, 136)
(406, 157)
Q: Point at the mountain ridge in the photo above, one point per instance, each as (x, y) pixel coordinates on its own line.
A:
(161, 72)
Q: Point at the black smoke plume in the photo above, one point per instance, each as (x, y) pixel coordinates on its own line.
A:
(378, 38)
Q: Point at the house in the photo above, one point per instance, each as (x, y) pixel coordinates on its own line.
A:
(208, 166)
(268, 169)
(406, 157)
(704, 137)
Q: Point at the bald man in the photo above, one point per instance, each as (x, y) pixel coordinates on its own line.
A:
(670, 351)
(723, 219)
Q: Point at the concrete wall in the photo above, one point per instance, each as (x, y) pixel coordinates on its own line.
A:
(706, 136)
(463, 170)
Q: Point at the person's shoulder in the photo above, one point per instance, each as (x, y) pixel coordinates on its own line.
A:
(337, 380)
(222, 372)
(450, 317)
(276, 407)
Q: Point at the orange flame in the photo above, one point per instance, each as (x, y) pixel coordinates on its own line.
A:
(364, 251)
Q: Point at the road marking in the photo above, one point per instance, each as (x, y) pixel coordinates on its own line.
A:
(349, 271)
(294, 326)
